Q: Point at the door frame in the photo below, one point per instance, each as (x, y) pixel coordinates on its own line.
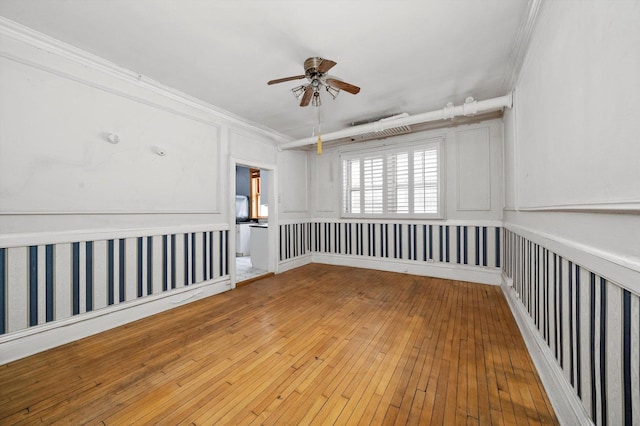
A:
(272, 202)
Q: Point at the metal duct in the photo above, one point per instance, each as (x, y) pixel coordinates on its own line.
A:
(469, 108)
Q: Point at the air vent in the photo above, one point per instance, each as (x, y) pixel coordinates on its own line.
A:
(379, 118)
(383, 133)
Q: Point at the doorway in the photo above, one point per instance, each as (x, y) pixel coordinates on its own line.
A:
(252, 199)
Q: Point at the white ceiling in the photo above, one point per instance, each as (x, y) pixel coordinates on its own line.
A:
(407, 56)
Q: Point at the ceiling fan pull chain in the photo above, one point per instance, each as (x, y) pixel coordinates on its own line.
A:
(319, 137)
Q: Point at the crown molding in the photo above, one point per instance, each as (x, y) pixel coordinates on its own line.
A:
(521, 44)
(64, 50)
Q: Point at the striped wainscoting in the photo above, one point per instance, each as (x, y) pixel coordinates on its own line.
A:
(294, 240)
(419, 242)
(45, 283)
(590, 325)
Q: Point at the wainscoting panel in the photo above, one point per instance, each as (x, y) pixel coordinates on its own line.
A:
(590, 325)
(473, 246)
(46, 283)
(294, 240)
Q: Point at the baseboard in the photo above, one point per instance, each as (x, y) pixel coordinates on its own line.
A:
(566, 404)
(40, 338)
(254, 279)
(296, 262)
(476, 274)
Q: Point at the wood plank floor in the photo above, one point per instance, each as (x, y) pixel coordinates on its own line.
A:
(316, 345)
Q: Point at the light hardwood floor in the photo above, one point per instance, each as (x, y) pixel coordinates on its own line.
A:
(316, 345)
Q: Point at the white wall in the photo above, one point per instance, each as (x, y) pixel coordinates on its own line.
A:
(464, 244)
(95, 234)
(293, 196)
(577, 108)
(58, 171)
(472, 172)
(571, 140)
(57, 159)
(251, 147)
(572, 198)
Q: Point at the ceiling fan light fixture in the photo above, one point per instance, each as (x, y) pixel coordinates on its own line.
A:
(315, 101)
(332, 91)
(298, 91)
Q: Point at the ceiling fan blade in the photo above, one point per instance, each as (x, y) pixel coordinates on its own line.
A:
(306, 98)
(325, 65)
(342, 85)
(282, 80)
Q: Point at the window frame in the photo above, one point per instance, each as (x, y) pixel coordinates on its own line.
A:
(384, 151)
(255, 190)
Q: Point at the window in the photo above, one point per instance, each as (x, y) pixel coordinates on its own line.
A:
(395, 182)
(258, 210)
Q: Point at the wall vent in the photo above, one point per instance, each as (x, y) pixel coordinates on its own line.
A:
(385, 117)
(383, 133)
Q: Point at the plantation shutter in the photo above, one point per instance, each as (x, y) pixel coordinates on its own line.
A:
(393, 182)
(398, 183)
(425, 181)
(351, 185)
(372, 184)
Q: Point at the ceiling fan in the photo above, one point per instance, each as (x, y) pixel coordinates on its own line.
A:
(315, 70)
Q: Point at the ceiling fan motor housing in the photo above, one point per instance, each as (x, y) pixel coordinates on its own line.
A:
(311, 67)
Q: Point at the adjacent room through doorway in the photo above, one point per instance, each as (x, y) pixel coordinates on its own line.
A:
(252, 214)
